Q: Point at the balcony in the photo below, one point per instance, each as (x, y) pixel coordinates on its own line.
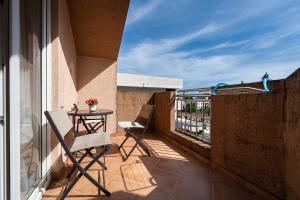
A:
(239, 142)
(170, 173)
(245, 156)
(229, 146)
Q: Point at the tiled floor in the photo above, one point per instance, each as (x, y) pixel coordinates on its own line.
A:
(170, 174)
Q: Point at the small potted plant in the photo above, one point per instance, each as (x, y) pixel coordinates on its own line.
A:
(92, 103)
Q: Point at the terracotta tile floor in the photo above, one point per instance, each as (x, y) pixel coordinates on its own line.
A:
(170, 174)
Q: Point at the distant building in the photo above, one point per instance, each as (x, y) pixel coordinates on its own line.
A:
(132, 82)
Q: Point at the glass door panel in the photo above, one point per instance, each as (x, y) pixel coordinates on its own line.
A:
(3, 66)
(30, 95)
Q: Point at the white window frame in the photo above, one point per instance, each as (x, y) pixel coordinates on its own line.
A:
(14, 102)
(3, 135)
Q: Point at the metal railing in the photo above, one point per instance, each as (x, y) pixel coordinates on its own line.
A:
(193, 114)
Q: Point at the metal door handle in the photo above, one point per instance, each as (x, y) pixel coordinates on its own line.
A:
(1, 120)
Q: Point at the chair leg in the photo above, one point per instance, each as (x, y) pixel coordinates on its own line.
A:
(70, 186)
(127, 156)
(98, 161)
(83, 172)
(91, 179)
(140, 142)
(94, 128)
(124, 141)
(77, 125)
(100, 187)
(79, 161)
(100, 125)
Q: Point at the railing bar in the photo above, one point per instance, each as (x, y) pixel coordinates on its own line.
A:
(177, 115)
(193, 127)
(240, 88)
(209, 119)
(197, 89)
(191, 115)
(203, 120)
(182, 114)
(197, 117)
(193, 95)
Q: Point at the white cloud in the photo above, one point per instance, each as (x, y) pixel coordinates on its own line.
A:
(136, 14)
(162, 58)
(271, 39)
(222, 45)
(165, 57)
(165, 45)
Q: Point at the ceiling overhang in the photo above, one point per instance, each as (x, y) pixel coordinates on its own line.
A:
(98, 26)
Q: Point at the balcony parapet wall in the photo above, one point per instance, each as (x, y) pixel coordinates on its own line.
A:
(254, 137)
(247, 136)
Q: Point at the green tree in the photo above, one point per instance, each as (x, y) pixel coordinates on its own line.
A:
(191, 107)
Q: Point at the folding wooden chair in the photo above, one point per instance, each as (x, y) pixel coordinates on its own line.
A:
(65, 132)
(93, 123)
(142, 122)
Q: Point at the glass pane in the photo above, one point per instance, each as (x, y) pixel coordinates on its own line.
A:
(30, 95)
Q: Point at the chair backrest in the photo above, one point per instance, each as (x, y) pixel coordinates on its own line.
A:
(145, 114)
(84, 106)
(62, 127)
(80, 106)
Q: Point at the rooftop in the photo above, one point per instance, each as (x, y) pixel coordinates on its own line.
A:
(132, 80)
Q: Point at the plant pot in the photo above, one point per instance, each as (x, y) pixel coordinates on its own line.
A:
(93, 108)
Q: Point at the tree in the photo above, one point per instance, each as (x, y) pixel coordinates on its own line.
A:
(191, 107)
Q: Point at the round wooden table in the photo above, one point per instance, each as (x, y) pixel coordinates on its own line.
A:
(82, 114)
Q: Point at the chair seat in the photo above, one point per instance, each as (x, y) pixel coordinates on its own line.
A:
(127, 125)
(90, 140)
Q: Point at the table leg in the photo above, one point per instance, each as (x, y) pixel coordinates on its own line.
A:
(73, 118)
(85, 126)
(105, 120)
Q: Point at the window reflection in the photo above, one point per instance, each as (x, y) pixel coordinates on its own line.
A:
(30, 18)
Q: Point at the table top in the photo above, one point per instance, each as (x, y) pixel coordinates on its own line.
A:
(88, 113)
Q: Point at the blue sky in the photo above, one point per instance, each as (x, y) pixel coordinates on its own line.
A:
(208, 41)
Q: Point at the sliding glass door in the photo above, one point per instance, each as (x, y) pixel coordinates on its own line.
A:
(28, 91)
(30, 95)
(3, 68)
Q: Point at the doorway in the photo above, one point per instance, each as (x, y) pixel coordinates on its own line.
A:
(27, 83)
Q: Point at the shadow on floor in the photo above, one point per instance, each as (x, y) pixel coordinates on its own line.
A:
(169, 174)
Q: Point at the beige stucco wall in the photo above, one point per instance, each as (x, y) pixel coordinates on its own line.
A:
(97, 78)
(247, 136)
(65, 59)
(64, 65)
(164, 114)
(76, 77)
(292, 136)
(129, 104)
(257, 136)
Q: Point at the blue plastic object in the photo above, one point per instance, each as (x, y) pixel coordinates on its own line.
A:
(217, 87)
(265, 80)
